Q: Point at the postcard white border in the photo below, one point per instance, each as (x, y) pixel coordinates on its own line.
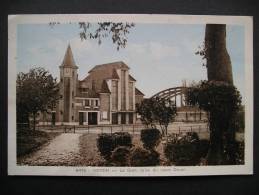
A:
(246, 169)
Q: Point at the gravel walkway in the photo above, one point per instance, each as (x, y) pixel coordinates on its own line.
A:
(61, 151)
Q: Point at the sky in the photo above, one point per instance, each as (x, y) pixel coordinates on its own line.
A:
(160, 56)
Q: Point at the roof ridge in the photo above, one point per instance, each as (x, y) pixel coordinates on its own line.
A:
(96, 67)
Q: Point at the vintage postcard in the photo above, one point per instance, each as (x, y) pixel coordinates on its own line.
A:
(130, 95)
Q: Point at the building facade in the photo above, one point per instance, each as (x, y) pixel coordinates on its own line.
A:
(107, 95)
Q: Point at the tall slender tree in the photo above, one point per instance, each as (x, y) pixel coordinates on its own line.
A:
(219, 68)
(218, 64)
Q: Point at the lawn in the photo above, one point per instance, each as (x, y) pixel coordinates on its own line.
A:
(29, 141)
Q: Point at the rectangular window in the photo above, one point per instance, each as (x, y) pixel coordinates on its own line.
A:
(87, 103)
(114, 95)
(123, 90)
(92, 103)
(114, 118)
(104, 115)
(123, 118)
(130, 118)
(96, 103)
(131, 95)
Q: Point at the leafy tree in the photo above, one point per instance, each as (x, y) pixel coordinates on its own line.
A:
(117, 31)
(219, 68)
(36, 91)
(157, 110)
(145, 110)
(222, 101)
(164, 113)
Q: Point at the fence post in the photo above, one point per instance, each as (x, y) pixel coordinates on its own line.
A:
(179, 130)
(133, 129)
(122, 127)
(74, 129)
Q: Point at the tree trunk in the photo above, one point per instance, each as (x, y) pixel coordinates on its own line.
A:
(219, 68)
(215, 154)
(34, 121)
(28, 122)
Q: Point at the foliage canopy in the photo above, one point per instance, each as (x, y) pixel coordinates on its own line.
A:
(157, 110)
(36, 91)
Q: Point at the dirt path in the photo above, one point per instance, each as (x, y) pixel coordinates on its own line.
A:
(61, 151)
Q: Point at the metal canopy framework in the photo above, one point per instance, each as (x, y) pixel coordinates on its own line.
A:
(172, 94)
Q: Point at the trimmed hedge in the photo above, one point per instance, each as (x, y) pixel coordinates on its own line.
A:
(122, 139)
(203, 148)
(106, 142)
(143, 157)
(150, 138)
(105, 145)
(120, 156)
(183, 149)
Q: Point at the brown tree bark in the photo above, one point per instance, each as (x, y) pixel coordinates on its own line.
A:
(34, 121)
(219, 68)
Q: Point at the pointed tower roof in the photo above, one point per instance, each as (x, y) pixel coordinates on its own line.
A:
(68, 60)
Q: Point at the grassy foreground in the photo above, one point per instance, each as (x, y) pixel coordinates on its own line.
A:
(29, 141)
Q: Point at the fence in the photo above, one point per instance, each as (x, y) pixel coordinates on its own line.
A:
(131, 128)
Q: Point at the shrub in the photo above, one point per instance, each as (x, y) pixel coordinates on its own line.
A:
(236, 149)
(106, 142)
(120, 156)
(122, 139)
(240, 153)
(143, 157)
(182, 149)
(105, 145)
(203, 148)
(223, 102)
(150, 138)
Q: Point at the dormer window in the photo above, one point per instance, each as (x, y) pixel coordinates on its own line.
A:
(87, 103)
